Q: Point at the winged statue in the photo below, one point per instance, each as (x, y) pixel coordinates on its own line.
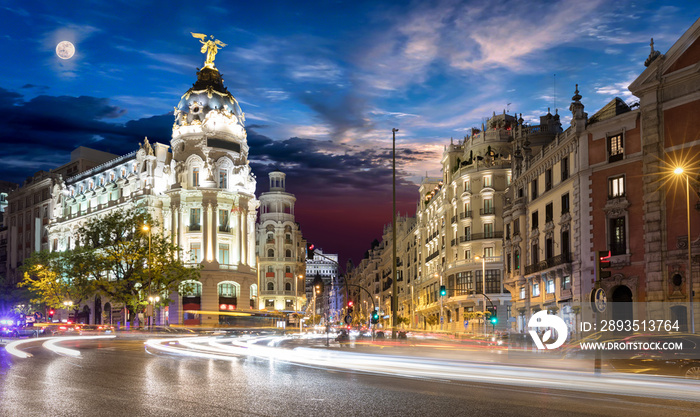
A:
(210, 47)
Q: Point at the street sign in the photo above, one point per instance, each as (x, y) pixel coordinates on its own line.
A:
(348, 319)
(466, 323)
(599, 300)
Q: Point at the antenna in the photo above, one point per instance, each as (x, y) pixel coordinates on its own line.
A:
(555, 92)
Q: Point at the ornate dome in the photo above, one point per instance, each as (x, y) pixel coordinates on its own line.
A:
(207, 94)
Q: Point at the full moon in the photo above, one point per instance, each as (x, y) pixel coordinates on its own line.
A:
(65, 50)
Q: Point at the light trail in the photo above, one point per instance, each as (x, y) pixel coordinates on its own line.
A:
(431, 368)
(50, 344)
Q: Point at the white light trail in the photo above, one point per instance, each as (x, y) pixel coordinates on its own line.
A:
(421, 367)
(51, 344)
(11, 348)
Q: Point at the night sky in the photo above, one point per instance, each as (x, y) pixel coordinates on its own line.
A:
(322, 84)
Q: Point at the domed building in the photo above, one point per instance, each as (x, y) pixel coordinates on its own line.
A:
(202, 191)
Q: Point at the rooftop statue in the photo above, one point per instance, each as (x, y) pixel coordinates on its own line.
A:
(209, 47)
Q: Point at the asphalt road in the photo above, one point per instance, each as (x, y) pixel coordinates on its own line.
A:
(118, 377)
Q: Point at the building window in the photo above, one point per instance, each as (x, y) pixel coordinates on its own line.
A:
(548, 179)
(508, 263)
(509, 178)
(535, 289)
(270, 253)
(287, 286)
(269, 303)
(616, 187)
(288, 253)
(516, 259)
(462, 283)
(535, 220)
(618, 241)
(467, 233)
(195, 214)
(270, 286)
(195, 252)
(565, 203)
(493, 281)
(488, 252)
(549, 213)
(467, 254)
(533, 189)
(565, 246)
(534, 256)
(508, 231)
(488, 181)
(516, 227)
(223, 179)
(564, 168)
(488, 230)
(467, 186)
(549, 248)
(615, 148)
(228, 290)
(223, 254)
(566, 283)
(523, 293)
(488, 206)
(195, 177)
(550, 286)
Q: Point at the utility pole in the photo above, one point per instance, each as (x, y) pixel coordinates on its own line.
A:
(394, 291)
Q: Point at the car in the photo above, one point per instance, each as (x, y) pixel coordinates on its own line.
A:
(94, 329)
(649, 357)
(25, 331)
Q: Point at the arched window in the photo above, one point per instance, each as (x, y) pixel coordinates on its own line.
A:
(288, 253)
(288, 286)
(191, 289)
(270, 286)
(270, 253)
(195, 177)
(228, 289)
(270, 268)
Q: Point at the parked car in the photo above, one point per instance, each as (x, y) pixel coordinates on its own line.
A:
(684, 362)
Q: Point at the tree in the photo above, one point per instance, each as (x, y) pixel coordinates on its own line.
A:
(54, 278)
(12, 296)
(130, 263)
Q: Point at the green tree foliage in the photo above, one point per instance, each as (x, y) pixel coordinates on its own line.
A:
(54, 278)
(131, 263)
(11, 297)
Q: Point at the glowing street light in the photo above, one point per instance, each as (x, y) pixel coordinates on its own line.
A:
(680, 171)
(483, 285)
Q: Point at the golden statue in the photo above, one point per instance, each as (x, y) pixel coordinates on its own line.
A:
(209, 47)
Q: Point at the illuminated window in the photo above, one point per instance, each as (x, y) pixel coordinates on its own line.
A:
(195, 177)
(616, 186)
(223, 253)
(615, 148)
(195, 252)
(228, 289)
(223, 179)
(536, 289)
(488, 181)
(550, 286)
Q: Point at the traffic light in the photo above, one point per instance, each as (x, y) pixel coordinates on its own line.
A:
(310, 250)
(375, 317)
(350, 304)
(493, 319)
(602, 265)
(443, 291)
(50, 315)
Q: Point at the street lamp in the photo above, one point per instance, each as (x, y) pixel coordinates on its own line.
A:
(147, 228)
(296, 292)
(680, 171)
(437, 275)
(67, 305)
(153, 301)
(483, 286)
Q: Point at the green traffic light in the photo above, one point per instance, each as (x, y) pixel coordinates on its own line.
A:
(494, 320)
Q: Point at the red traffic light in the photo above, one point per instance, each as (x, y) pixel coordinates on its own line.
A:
(51, 312)
(349, 303)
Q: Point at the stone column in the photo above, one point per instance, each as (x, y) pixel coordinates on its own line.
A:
(205, 232)
(214, 228)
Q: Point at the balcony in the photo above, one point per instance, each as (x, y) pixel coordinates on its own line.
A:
(454, 219)
(432, 256)
(491, 235)
(548, 263)
(224, 229)
(466, 214)
(487, 211)
(194, 228)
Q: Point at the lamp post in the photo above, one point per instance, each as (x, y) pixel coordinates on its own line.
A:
(483, 286)
(296, 292)
(153, 301)
(147, 228)
(68, 304)
(394, 291)
(681, 171)
(437, 275)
